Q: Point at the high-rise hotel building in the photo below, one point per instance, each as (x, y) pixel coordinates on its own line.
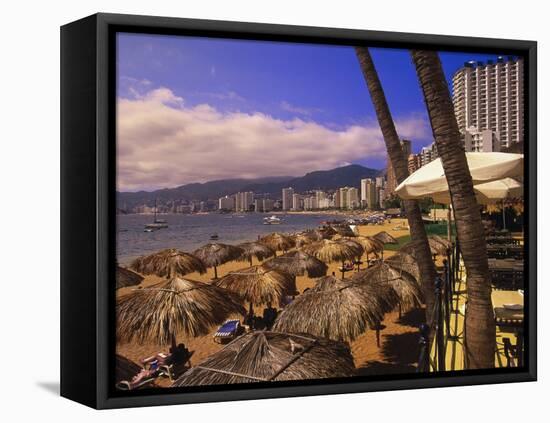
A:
(287, 198)
(489, 97)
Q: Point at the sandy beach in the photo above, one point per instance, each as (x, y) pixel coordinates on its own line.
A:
(397, 353)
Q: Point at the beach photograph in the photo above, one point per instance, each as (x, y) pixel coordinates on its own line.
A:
(289, 211)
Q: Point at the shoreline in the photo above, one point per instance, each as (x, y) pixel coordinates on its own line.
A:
(369, 359)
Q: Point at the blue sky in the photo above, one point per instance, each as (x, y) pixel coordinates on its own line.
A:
(315, 84)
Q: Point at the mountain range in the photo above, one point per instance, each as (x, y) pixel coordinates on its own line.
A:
(350, 175)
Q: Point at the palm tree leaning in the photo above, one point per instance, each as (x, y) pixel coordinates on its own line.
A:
(480, 324)
(399, 164)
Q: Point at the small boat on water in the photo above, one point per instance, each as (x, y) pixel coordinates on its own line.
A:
(214, 237)
(272, 220)
(157, 223)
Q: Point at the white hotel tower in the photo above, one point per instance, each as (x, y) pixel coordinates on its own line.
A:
(488, 97)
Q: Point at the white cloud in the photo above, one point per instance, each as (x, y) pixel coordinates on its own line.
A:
(163, 143)
(287, 107)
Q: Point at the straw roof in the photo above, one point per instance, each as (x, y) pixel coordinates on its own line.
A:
(443, 241)
(255, 249)
(329, 251)
(306, 237)
(177, 306)
(337, 309)
(352, 242)
(369, 244)
(125, 369)
(258, 284)
(277, 241)
(405, 262)
(344, 230)
(168, 263)
(271, 356)
(126, 277)
(326, 232)
(298, 263)
(216, 254)
(385, 238)
(405, 285)
(436, 247)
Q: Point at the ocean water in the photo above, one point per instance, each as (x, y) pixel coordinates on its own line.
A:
(188, 232)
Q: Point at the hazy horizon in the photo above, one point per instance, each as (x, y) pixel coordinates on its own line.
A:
(246, 179)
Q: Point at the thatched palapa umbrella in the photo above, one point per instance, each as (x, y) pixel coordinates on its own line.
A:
(177, 306)
(258, 285)
(126, 277)
(306, 237)
(344, 230)
(216, 254)
(329, 251)
(277, 241)
(448, 244)
(168, 263)
(385, 238)
(436, 248)
(337, 309)
(405, 262)
(271, 356)
(298, 263)
(404, 284)
(255, 249)
(326, 232)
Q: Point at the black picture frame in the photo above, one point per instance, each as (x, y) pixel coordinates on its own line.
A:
(87, 231)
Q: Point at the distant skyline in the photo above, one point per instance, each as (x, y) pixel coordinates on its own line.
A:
(198, 109)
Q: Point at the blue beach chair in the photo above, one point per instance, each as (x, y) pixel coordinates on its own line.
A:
(228, 331)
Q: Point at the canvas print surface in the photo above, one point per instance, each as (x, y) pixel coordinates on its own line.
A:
(290, 212)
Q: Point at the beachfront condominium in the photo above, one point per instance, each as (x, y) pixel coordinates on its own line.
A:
(263, 204)
(391, 180)
(481, 141)
(369, 191)
(489, 96)
(353, 198)
(414, 162)
(297, 202)
(372, 195)
(287, 198)
(364, 183)
(226, 203)
(347, 198)
(244, 201)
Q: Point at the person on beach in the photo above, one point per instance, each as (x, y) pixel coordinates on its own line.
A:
(269, 316)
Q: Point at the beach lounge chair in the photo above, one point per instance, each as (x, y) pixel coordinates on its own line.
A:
(228, 331)
(175, 369)
(144, 378)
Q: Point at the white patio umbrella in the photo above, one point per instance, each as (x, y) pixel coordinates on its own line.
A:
(489, 192)
(430, 180)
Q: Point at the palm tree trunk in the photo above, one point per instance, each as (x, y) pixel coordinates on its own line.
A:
(480, 324)
(399, 164)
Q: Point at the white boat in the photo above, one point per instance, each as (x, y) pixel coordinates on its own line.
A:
(272, 220)
(157, 223)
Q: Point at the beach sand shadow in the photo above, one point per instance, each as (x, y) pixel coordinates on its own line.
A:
(400, 353)
(401, 349)
(413, 318)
